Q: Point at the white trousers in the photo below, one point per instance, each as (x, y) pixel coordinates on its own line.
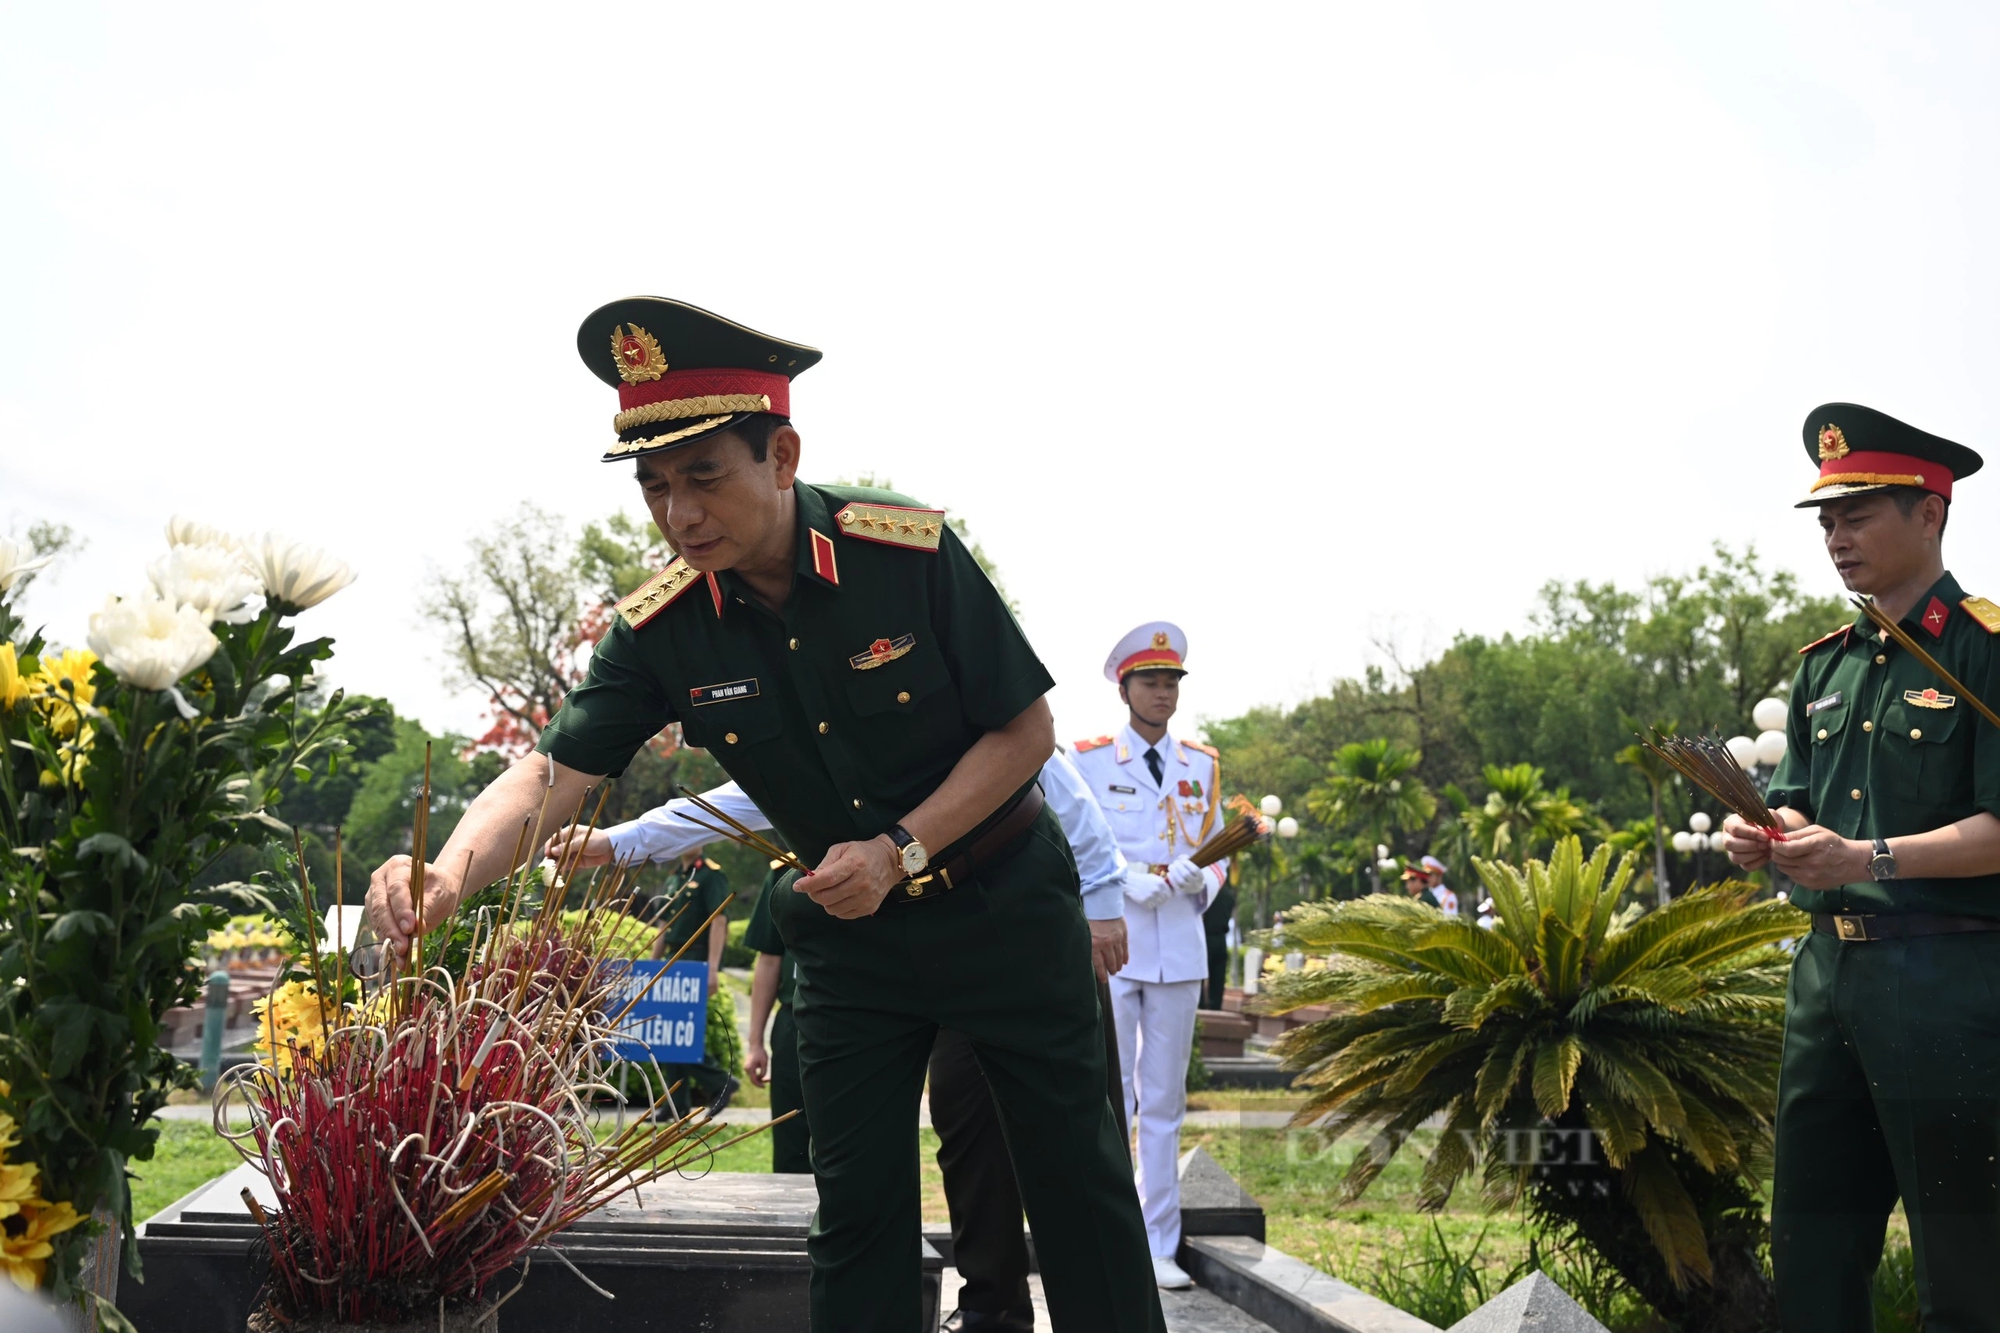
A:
(1155, 1031)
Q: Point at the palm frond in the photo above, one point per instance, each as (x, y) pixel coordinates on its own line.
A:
(1669, 1216)
(1621, 1128)
(1560, 952)
(1556, 1064)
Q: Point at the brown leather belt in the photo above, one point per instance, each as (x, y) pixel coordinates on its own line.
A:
(958, 869)
(1861, 927)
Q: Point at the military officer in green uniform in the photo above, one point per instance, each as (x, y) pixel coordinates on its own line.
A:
(1889, 796)
(841, 654)
(773, 986)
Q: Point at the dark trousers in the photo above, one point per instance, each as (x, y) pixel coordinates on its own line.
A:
(1890, 1088)
(989, 1246)
(1005, 960)
(1218, 971)
(791, 1142)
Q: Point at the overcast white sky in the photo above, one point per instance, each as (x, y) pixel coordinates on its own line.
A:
(1300, 325)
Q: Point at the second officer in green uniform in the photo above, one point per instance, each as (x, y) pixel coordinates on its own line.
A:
(843, 657)
(1889, 794)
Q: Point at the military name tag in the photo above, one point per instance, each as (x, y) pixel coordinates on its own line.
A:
(1124, 791)
(882, 650)
(1929, 699)
(715, 694)
(1821, 705)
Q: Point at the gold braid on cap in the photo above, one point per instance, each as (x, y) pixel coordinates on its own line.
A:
(1868, 479)
(677, 409)
(655, 441)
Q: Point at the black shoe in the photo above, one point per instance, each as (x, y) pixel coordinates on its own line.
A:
(963, 1320)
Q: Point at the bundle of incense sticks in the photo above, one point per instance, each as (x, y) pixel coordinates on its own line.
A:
(1901, 638)
(735, 830)
(423, 1145)
(1249, 826)
(1707, 763)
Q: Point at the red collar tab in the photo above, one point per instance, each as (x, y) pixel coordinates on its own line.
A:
(1880, 469)
(1935, 616)
(714, 593)
(822, 553)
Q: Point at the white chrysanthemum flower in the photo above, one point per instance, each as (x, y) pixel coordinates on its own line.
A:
(186, 532)
(211, 579)
(17, 558)
(296, 576)
(149, 643)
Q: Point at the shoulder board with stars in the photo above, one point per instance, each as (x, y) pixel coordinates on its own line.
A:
(1084, 747)
(1208, 750)
(1983, 611)
(893, 525)
(712, 865)
(657, 593)
(1840, 633)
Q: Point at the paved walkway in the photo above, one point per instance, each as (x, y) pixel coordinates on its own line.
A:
(1195, 1311)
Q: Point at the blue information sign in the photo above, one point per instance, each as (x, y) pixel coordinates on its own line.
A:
(670, 1022)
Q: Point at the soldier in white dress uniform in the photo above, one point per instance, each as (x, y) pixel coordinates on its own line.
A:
(1161, 797)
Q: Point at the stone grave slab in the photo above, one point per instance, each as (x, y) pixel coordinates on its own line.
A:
(724, 1253)
(1535, 1304)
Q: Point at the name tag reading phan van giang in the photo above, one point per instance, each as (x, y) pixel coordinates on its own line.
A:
(715, 694)
(1821, 705)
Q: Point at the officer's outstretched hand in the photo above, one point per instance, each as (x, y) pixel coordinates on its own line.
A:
(1748, 846)
(389, 902)
(1819, 858)
(591, 847)
(854, 878)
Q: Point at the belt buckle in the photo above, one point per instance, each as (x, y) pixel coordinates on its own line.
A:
(920, 885)
(1850, 926)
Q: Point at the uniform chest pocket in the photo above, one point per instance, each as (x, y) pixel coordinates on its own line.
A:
(1915, 754)
(1825, 726)
(731, 723)
(899, 685)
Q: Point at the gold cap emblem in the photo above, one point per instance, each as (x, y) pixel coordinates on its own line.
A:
(1159, 638)
(638, 354)
(1832, 444)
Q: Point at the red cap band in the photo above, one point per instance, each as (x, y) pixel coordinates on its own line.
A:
(1877, 469)
(1150, 659)
(709, 383)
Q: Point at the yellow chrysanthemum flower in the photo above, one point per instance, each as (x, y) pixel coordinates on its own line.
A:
(293, 1017)
(24, 1240)
(13, 685)
(17, 1187)
(62, 685)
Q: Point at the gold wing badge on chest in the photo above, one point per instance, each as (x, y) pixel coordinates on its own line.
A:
(882, 650)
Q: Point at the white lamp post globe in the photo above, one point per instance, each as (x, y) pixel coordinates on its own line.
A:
(1771, 746)
(1700, 822)
(1769, 714)
(1288, 827)
(1271, 806)
(1683, 841)
(1742, 749)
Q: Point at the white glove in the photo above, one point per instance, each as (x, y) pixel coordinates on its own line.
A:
(1147, 890)
(1186, 876)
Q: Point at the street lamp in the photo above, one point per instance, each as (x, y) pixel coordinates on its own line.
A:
(1696, 839)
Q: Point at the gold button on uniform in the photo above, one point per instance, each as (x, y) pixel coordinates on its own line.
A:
(1868, 726)
(902, 696)
(731, 738)
(795, 645)
(823, 728)
(1822, 733)
(1856, 793)
(1880, 658)
(857, 803)
(1916, 733)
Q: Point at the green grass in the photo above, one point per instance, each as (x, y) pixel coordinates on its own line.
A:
(188, 1154)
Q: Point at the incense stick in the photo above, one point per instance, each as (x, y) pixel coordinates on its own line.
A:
(1708, 764)
(743, 834)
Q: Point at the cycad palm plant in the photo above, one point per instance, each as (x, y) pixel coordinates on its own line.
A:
(1621, 1080)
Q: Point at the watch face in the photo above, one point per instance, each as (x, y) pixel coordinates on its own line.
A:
(915, 858)
(1882, 866)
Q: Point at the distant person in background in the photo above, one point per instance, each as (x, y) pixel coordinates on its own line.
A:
(773, 980)
(1486, 918)
(1415, 882)
(1446, 900)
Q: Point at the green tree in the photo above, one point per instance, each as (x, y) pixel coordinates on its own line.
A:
(1521, 815)
(1658, 777)
(1371, 788)
(1619, 1079)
